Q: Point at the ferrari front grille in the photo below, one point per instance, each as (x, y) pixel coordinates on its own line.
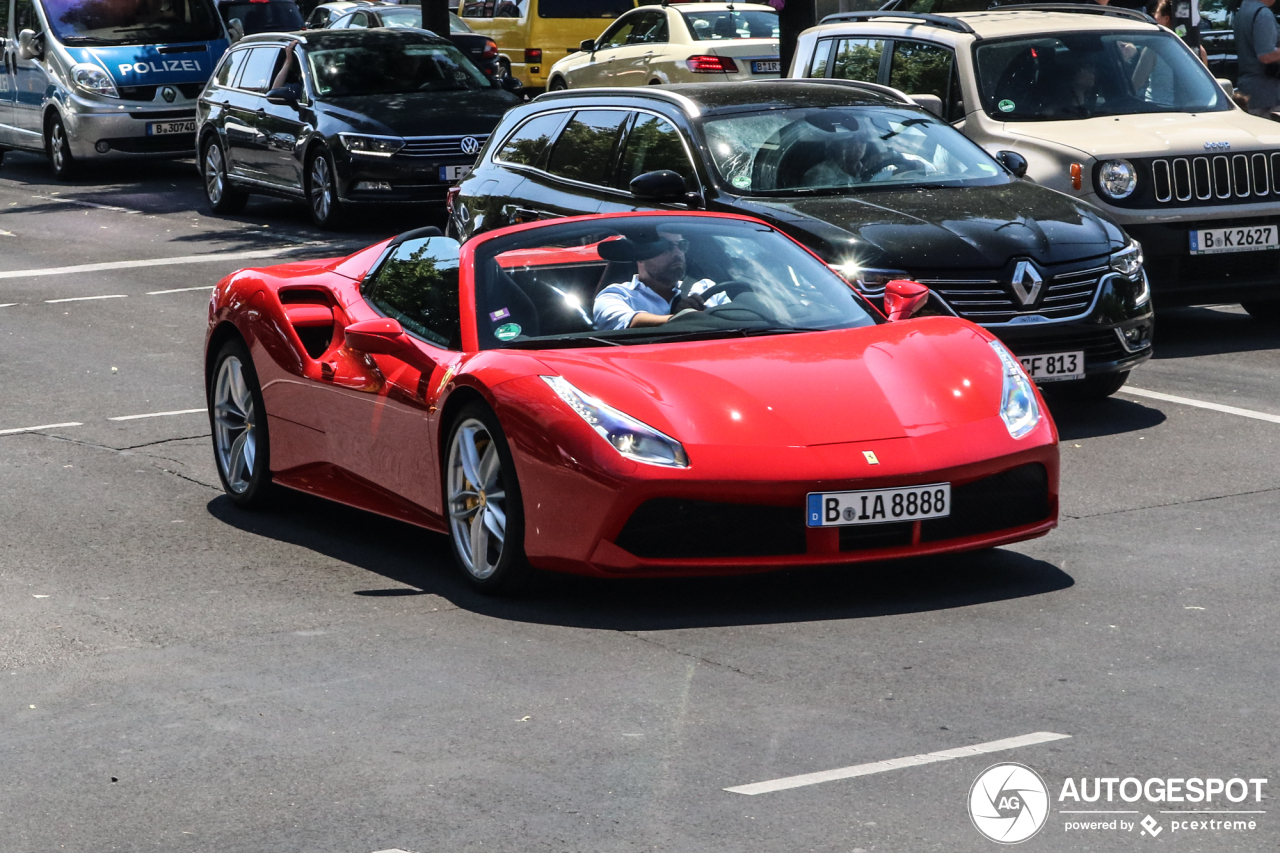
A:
(672, 528)
(1014, 498)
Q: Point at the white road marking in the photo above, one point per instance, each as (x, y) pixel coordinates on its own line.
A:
(8, 305)
(894, 764)
(1201, 404)
(175, 290)
(34, 428)
(157, 414)
(82, 203)
(155, 262)
(86, 298)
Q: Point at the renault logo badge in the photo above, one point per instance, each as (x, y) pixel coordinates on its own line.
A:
(1026, 282)
(470, 145)
(168, 93)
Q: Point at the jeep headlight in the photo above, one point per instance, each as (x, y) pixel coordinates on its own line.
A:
(1117, 179)
(633, 439)
(93, 79)
(1018, 407)
(371, 146)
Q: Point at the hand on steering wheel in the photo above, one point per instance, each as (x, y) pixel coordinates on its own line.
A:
(732, 288)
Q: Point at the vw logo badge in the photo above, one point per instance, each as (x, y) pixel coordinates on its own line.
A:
(1026, 282)
(168, 93)
(470, 145)
(1009, 803)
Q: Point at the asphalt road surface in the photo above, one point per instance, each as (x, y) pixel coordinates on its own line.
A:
(179, 675)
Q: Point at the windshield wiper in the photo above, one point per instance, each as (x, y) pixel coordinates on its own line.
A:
(712, 334)
(87, 40)
(552, 343)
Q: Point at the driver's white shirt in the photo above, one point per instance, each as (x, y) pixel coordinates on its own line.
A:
(618, 304)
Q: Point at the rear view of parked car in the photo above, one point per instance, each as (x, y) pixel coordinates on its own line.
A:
(686, 43)
(481, 50)
(262, 16)
(343, 117)
(87, 81)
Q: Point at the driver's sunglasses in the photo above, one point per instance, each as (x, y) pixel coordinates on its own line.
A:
(682, 245)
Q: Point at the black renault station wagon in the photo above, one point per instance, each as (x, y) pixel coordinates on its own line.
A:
(876, 186)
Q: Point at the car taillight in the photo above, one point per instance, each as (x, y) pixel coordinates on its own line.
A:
(532, 55)
(490, 50)
(449, 197)
(712, 65)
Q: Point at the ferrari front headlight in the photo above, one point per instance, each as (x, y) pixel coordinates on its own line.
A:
(1018, 407)
(633, 439)
(93, 79)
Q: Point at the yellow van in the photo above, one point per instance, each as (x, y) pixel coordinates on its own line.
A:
(532, 35)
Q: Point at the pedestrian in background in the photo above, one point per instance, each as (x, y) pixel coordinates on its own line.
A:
(1186, 26)
(1255, 28)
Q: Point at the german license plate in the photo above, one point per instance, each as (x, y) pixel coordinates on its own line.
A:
(454, 173)
(879, 506)
(163, 128)
(767, 66)
(1254, 238)
(1054, 367)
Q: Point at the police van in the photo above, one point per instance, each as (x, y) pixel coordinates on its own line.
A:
(88, 80)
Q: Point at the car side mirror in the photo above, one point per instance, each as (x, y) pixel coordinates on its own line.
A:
(382, 336)
(235, 30)
(283, 96)
(1014, 162)
(932, 103)
(903, 298)
(663, 187)
(512, 84)
(587, 46)
(29, 45)
(1227, 86)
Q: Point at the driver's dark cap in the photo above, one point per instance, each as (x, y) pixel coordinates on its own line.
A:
(636, 247)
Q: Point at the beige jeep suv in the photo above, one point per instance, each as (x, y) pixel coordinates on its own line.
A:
(1103, 105)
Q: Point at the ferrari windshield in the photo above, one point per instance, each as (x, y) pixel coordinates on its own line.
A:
(831, 149)
(1090, 74)
(132, 21)
(391, 66)
(636, 280)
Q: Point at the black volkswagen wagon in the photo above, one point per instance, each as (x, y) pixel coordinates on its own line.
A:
(341, 117)
(876, 186)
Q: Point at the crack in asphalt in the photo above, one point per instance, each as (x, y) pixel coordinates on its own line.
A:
(122, 450)
(1172, 503)
(637, 635)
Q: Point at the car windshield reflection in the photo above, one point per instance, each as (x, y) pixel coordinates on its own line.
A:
(391, 66)
(829, 150)
(640, 280)
(1085, 75)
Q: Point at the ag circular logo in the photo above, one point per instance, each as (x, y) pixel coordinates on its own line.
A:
(1008, 803)
(470, 145)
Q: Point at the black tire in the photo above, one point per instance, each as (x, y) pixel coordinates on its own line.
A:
(57, 147)
(1096, 387)
(557, 84)
(510, 571)
(2, 156)
(238, 418)
(323, 202)
(1266, 312)
(222, 196)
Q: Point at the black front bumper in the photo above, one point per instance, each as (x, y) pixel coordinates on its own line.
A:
(1106, 350)
(417, 181)
(1181, 278)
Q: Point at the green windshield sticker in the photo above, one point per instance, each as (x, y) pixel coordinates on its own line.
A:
(1006, 106)
(742, 182)
(507, 331)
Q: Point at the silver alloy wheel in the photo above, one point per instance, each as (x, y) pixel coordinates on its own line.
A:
(57, 139)
(235, 436)
(320, 193)
(213, 171)
(477, 499)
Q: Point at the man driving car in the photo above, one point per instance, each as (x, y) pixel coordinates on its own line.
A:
(652, 296)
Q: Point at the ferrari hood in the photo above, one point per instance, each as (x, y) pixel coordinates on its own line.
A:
(945, 229)
(796, 390)
(1155, 134)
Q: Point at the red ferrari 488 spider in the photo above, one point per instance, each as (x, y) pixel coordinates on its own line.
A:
(626, 395)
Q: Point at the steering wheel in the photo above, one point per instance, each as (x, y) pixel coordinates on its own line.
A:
(734, 288)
